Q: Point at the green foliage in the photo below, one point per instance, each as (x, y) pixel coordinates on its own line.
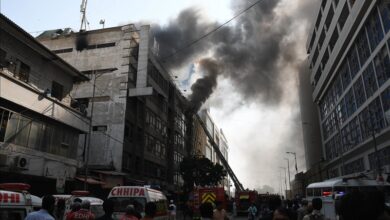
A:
(200, 171)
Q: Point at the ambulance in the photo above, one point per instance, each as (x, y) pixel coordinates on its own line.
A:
(122, 196)
(96, 203)
(16, 202)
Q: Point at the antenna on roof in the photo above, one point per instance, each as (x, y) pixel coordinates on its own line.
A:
(83, 9)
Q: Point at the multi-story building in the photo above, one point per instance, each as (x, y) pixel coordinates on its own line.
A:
(350, 68)
(39, 129)
(218, 138)
(138, 122)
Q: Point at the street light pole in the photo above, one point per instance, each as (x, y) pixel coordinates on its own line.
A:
(295, 156)
(90, 130)
(285, 179)
(288, 168)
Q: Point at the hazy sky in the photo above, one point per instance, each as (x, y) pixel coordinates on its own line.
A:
(259, 117)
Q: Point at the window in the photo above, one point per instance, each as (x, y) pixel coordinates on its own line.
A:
(318, 19)
(66, 50)
(325, 59)
(383, 157)
(382, 66)
(353, 61)
(341, 112)
(386, 99)
(337, 88)
(3, 55)
(322, 38)
(57, 90)
(97, 46)
(345, 76)
(374, 30)
(37, 135)
(99, 128)
(350, 102)
(384, 7)
(329, 18)
(20, 70)
(362, 47)
(359, 92)
(343, 16)
(354, 167)
(369, 80)
(333, 39)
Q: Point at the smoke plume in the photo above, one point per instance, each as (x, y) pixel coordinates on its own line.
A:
(252, 52)
(204, 86)
(257, 58)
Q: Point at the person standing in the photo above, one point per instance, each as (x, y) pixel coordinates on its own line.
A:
(150, 211)
(219, 212)
(172, 210)
(45, 213)
(83, 214)
(130, 214)
(302, 211)
(252, 211)
(108, 207)
(316, 213)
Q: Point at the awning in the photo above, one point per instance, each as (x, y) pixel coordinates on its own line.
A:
(112, 173)
(90, 180)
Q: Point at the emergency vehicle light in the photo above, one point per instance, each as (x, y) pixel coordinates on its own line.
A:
(326, 193)
(80, 193)
(15, 186)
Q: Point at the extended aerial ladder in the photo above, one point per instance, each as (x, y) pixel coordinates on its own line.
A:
(237, 183)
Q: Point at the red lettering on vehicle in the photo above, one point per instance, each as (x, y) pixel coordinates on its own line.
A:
(136, 191)
(142, 192)
(126, 191)
(9, 197)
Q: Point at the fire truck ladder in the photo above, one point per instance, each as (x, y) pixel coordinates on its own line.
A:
(236, 182)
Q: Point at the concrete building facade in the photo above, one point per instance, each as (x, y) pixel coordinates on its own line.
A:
(220, 140)
(139, 126)
(350, 67)
(39, 129)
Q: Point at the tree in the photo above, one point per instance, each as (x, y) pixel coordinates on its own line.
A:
(200, 171)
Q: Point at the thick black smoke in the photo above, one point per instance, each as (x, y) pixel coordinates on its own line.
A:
(204, 86)
(253, 51)
(81, 41)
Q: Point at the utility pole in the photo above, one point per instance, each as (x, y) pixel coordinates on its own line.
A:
(295, 156)
(90, 130)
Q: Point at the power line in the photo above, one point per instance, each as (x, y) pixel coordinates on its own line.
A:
(209, 33)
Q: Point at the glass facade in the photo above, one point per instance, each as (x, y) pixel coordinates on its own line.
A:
(352, 103)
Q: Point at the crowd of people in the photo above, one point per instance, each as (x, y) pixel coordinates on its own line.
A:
(80, 210)
(355, 205)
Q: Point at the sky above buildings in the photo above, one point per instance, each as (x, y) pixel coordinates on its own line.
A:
(258, 55)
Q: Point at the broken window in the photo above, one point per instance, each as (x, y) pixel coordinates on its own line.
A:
(57, 90)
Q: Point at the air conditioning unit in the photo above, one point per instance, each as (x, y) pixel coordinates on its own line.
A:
(22, 162)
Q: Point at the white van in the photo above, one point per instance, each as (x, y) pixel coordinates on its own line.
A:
(16, 202)
(331, 190)
(122, 196)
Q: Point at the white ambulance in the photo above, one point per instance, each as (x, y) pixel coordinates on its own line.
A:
(122, 196)
(96, 203)
(16, 202)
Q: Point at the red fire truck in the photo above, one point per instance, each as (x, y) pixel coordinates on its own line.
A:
(207, 194)
(244, 199)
